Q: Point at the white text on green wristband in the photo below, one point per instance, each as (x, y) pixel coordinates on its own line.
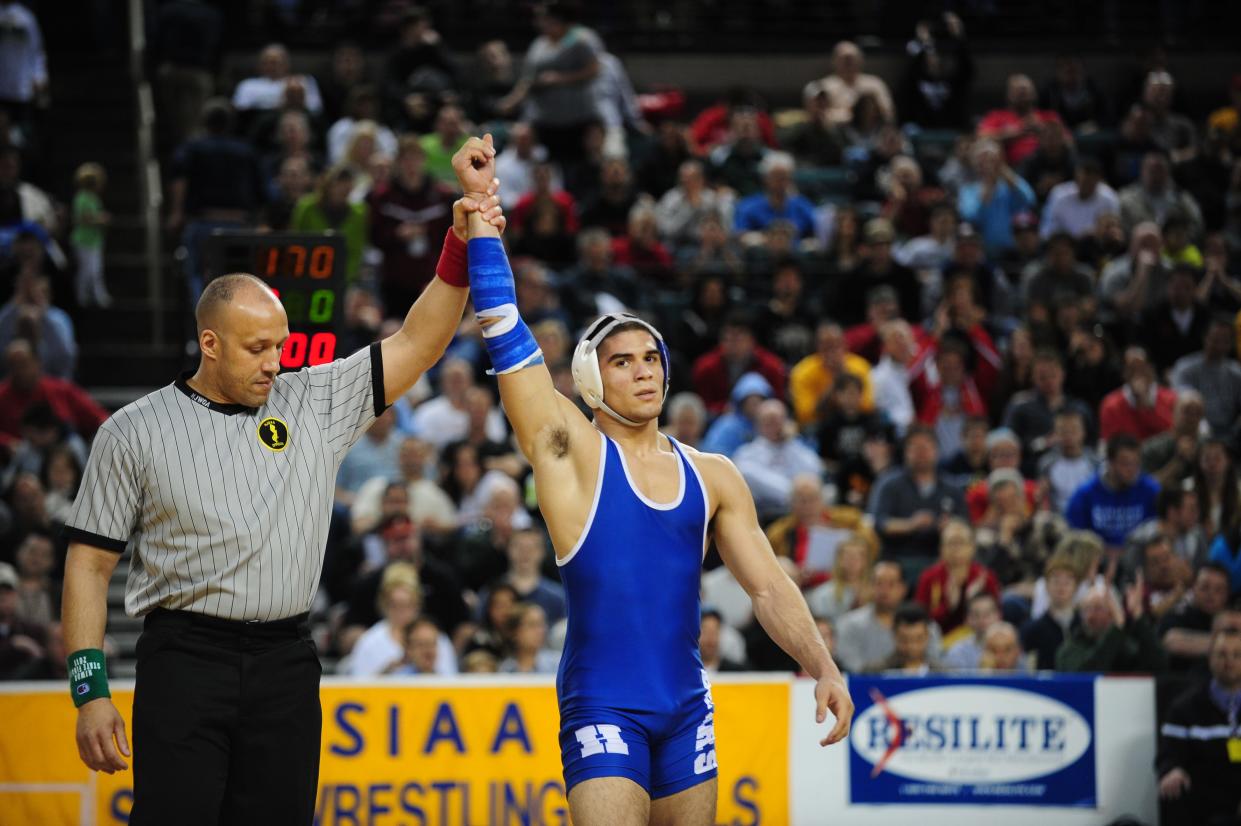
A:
(88, 676)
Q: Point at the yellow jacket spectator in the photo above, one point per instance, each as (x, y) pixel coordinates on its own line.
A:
(812, 521)
(812, 377)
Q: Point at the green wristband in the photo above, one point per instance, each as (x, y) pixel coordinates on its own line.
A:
(88, 676)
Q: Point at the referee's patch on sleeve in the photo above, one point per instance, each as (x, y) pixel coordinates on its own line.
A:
(273, 433)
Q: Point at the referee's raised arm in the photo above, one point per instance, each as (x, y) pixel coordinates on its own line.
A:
(433, 320)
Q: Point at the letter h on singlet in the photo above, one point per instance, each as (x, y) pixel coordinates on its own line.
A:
(601, 738)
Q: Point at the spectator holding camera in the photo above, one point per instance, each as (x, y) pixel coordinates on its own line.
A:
(991, 202)
(29, 315)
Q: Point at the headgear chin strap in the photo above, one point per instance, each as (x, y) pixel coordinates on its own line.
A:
(586, 374)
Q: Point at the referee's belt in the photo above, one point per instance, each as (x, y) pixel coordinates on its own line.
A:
(288, 627)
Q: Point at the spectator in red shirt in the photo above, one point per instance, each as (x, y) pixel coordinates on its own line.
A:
(1003, 453)
(1017, 127)
(641, 249)
(1139, 407)
(544, 174)
(711, 126)
(909, 201)
(27, 385)
(946, 587)
(945, 394)
(960, 316)
(717, 370)
(882, 306)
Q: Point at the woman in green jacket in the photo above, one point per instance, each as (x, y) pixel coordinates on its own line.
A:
(328, 209)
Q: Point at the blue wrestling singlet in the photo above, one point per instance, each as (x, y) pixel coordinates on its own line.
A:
(635, 700)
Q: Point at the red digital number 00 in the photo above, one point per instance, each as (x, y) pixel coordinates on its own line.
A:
(294, 353)
(300, 350)
(322, 348)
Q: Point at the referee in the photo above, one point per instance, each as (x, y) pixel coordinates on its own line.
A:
(221, 484)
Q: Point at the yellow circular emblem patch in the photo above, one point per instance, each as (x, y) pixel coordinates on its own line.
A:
(274, 434)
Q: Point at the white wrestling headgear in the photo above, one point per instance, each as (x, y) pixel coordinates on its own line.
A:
(586, 374)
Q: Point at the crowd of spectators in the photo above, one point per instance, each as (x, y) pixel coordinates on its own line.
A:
(978, 367)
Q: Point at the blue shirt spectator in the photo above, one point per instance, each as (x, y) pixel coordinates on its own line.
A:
(991, 202)
(29, 315)
(736, 427)
(757, 212)
(1226, 550)
(23, 63)
(1118, 499)
(777, 202)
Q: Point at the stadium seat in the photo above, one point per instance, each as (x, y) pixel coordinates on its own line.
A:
(826, 184)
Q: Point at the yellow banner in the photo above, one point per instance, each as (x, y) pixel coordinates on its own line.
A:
(406, 754)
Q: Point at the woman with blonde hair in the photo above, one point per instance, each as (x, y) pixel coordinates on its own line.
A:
(381, 650)
(382, 647)
(360, 152)
(1085, 550)
(850, 585)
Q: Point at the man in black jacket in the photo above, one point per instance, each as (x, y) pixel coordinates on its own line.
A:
(1199, 759)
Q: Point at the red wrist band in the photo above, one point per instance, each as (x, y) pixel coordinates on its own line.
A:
(454, 264)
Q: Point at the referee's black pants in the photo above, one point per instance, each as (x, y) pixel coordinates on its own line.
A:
(226, 722)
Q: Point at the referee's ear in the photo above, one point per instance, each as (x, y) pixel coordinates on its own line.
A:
(209, 343)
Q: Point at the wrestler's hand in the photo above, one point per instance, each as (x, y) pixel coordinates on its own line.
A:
(488, 207)
(832, 694)
(475, 165)
(98, 723)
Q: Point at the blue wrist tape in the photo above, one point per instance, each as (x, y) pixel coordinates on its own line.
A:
(509, 341)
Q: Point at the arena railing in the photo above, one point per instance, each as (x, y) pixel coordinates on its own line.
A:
(150, 192)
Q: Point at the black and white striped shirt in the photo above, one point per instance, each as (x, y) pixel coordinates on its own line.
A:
(226, 507)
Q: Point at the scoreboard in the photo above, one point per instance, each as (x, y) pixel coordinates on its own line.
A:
(307, 272)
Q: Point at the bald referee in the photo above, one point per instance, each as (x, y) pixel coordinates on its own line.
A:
(221, 483)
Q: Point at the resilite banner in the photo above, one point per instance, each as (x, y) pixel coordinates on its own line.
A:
(956, 740)
(406, 751)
